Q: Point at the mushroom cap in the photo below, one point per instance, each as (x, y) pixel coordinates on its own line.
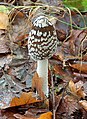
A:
(42, 41)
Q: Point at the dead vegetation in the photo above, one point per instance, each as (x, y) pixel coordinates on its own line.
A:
(67, 68)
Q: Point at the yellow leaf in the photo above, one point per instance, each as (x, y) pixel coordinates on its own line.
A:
(4, 21)
(25, 98)
(47, 115)
(72, 86)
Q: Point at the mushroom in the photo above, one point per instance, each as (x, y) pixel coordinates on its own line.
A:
(42, 44)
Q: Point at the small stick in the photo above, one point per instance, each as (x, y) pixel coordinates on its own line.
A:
(53, 96)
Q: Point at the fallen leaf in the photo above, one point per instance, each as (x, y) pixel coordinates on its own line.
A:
(83, 103)
(25, 98)
(37, 83)
(80, 93)
(4, 41)
(16, 13)
(47, 115)
(72, 86)
(22, 40)
(80, 67)
(4, 20)
(77, 90)
(19, 116)
(71, 104)
(59, 71)
(32, 113)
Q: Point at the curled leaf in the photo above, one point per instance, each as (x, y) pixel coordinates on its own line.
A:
(47, 115)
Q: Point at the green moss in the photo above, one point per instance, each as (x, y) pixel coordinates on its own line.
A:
(4, 9)
(79, 4)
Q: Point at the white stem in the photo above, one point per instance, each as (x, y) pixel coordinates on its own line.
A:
(42, 70)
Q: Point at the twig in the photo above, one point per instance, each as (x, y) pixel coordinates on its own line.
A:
(53, 96)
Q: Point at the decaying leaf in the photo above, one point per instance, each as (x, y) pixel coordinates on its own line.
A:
(71, 104)
(83, 103)
(5, 60)
(4, 48)
(25, 98)
(22, 40)
(59, 71)
(37, 83)
(19, 116)
(47, 115)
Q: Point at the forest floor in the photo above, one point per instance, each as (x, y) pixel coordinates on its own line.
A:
(67, 67)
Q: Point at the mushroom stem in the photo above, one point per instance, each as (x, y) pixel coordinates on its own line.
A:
(42, 70)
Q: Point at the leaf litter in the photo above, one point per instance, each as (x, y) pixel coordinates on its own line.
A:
(18, 72)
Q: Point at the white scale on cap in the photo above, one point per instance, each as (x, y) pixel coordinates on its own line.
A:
(43, 38)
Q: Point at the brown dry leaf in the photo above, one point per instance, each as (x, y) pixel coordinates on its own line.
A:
(72, 86)
(4, 42)
(37, 83)
(77, 41)
(77, 91)
(16, 13)
(83, 103)
(47, 115)
(80, 67)
(21, 40)
(58, 70)
(71, 104)
(80, 93)
(85, 57)
(4, 20)
(58, 55)
(19, 116)
(25, 98)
